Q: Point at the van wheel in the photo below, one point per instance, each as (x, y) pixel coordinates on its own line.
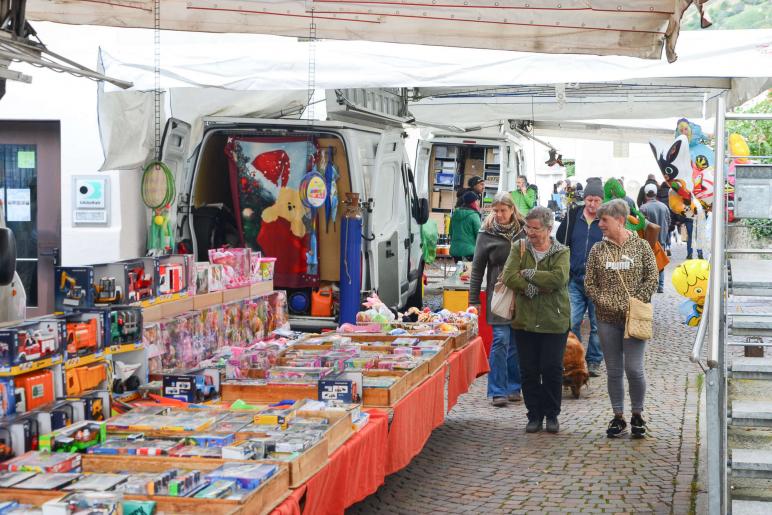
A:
(416, 300)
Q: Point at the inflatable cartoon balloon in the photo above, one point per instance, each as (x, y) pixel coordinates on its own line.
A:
(690, 280)
(738, 148)
(675, 164)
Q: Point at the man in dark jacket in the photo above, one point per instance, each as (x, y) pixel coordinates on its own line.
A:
(641, 200)
(579, 231)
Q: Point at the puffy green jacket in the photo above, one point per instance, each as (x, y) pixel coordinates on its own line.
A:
(541, 292)
(464, 226)
(524, 202)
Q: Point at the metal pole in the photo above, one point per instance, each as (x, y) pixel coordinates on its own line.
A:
(715, 488)
(746, 116)
(716, 377)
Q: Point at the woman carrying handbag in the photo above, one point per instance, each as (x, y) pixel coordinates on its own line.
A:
(621, 277)
(502, 228)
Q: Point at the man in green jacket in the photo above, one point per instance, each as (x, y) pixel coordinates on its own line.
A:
(524, 196)
(464, 226)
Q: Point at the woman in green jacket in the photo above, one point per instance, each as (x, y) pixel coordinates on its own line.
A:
(539, 278)
(464, 226)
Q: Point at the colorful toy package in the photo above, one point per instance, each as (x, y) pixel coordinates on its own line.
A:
(236, 265)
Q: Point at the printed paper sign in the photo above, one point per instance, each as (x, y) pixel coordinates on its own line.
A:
(19, 206)
(25, 159)
(89, 193)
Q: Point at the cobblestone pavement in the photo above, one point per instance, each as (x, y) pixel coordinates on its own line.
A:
(482, 461)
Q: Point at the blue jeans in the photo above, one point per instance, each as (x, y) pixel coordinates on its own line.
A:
(580, 303)
(504, 377)
(689, 231)
(662, 280)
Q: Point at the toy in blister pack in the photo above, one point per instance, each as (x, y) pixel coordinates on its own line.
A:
(236, 265)
(74, 287)
(75, 438)
(36, 461)
(267, 265)
(276, 312)
(209, 277)
(177, 337)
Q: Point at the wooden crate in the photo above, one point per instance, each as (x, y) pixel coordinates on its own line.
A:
(261, 501)
(207, 300)
(266, 393)
(307, 464)
(388, 397)
(341, 427)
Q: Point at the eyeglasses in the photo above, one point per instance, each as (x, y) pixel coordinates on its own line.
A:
(533, 229)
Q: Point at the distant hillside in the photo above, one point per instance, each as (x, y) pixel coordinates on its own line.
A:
(732, 14)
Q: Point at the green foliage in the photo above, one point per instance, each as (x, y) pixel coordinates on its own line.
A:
(760, 229)
(731, 14)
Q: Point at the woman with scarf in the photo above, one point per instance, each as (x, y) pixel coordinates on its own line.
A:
(539, 278)
(500, 229)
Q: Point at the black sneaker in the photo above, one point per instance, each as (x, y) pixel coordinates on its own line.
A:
(616, 428)
(668, 253)
(637, 426)
(553, 426)
(593, 369)
(534, 425)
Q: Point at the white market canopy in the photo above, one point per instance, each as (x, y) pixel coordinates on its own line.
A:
(637, 28)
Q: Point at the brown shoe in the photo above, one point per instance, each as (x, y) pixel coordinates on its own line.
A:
(514, 397)
(499, 402)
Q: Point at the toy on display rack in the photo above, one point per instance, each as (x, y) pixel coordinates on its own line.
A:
(376, 313)
(31, 341)
(125, 325)
(84, 378)
(209, 277)
(74, 287)
(126, 281)
(236, 265)
(75, 438)
(83, 337)
(196, 387)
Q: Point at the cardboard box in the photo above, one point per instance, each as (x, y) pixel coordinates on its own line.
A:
(493, 156)
(473, 167)
(447, 199)
(439, 218)
(435, 200)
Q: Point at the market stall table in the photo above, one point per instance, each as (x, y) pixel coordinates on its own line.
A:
(353, 472)
(466, 365)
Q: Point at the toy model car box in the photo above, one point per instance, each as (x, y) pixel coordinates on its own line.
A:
(74, 287)
(125, 325)
(125, 282)
(196, 387)
(174, 274)
(74, 438)
(86, 332)
(31, 341)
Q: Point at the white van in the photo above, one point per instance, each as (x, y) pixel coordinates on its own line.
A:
(371, 160)
(448, 160)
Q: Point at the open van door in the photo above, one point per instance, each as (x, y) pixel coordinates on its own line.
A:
(174, 153)
(422, 155)
(388, 223)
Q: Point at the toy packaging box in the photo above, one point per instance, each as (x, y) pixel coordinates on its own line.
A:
(209, 277)
(74, 287)
(191, 387)
(125, 325)
(236, 265)
(125, 282)
(37, 461)
(32, 340)
(86, 332)
(174, 273)
(75, 438)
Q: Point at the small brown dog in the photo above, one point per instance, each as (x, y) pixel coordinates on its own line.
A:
(575, 373)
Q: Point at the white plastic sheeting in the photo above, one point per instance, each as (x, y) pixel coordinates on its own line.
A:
(636, 28)
(265, 63)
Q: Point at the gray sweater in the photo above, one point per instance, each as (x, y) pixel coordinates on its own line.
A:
(490, 256)
(658, 213)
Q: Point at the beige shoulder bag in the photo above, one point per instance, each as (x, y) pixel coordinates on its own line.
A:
(639, 322)
(503, 299)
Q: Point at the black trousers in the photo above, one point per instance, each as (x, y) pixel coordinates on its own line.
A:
(541, 371)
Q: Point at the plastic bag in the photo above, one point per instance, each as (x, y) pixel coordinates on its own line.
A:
(429, 238)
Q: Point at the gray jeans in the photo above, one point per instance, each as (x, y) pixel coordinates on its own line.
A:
(623, 357)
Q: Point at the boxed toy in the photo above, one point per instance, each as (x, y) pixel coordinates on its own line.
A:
(74, 287)
(126, 281)
(192, 387)
(125, 325)
(174, 273)
(254, 267)
(37, 461)
(34, 390)
(7, 397)
(209, 277)
(93, 503)
(236, 265)
(267, 265)
(75, 438)
(248, 476)
(31, 341)
(86, 331)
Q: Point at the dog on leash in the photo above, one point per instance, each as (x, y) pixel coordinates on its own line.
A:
(575, 373)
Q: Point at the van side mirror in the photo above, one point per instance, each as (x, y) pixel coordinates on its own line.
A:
(7, 256)
(422, 211)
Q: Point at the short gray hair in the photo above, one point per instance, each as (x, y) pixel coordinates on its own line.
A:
(545, 216)
(616, 208)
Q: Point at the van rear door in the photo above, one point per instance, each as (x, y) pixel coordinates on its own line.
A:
(174, 153)
(387, 224)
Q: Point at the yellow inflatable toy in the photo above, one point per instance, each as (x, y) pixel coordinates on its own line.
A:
(690, 279)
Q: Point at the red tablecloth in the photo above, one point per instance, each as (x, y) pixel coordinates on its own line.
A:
(484, 330)
(466, 365)
(353, 472)
(415, 417)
